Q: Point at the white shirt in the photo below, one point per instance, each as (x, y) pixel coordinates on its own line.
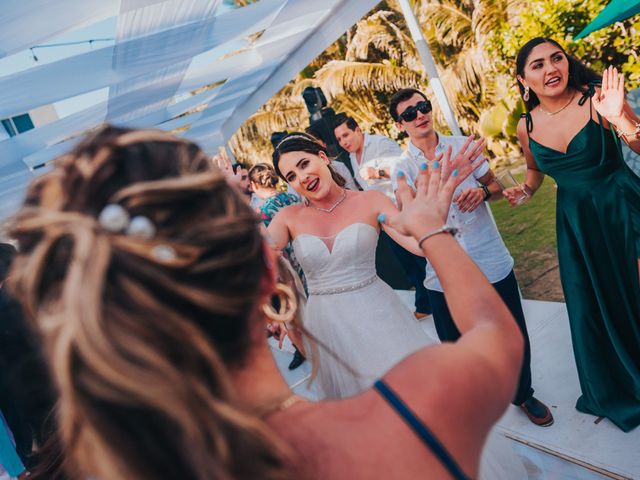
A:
(378, 152)
(344, 172)
(478, 235)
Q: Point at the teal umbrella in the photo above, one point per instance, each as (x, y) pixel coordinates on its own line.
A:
(616, 11)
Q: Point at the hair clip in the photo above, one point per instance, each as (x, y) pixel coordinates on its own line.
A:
(141, 227)
(113, 218)
(163, 253)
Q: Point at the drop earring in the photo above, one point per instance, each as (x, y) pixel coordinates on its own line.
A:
(525, 97)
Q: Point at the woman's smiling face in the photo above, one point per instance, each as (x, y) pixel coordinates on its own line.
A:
(546, 70)
(307, 173)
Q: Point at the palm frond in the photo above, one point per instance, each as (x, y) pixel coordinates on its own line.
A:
(446, 23)
(340, 76)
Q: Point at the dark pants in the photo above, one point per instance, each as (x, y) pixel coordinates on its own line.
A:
(414, 266)
(508, 291)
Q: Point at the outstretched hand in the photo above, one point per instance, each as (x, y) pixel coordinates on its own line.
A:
(610, 101)
(222, 161)
(427, 209)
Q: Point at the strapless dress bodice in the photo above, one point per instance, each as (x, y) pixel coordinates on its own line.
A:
(343, 262)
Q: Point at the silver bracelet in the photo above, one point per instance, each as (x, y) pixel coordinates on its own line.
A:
(446, 228)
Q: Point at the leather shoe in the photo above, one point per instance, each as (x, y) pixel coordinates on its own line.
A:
(298, 359)
(537, 412)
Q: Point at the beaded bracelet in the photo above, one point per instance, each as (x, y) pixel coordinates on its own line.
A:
(635, 133)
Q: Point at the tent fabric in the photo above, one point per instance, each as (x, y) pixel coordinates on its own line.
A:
(163, 51)
(141, 23)
(615, 11)
(52, 18)
(95, 69)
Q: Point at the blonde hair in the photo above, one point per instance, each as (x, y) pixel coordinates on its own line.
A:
(263, 175)
(140, 348)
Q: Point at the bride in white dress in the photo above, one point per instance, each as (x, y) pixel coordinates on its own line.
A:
(350, 311)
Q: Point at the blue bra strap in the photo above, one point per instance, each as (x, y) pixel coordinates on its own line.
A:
(420, 430)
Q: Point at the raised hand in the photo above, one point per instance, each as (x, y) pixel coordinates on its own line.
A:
(428, 208)
(610, 100)
(222, 161)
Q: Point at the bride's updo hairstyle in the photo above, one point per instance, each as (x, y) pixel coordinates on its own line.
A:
(302, 142)
(142, 324)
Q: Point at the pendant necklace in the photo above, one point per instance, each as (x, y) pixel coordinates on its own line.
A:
(334, 206)
(558, 111)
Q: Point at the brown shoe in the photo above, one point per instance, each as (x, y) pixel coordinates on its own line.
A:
(420, 315)
(537, 412)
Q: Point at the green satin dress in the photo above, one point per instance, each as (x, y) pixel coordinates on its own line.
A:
(598, 229)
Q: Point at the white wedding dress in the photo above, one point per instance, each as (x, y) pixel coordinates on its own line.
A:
(358, 320)
(363, 328)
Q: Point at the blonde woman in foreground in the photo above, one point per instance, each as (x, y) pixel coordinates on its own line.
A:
(148, 279)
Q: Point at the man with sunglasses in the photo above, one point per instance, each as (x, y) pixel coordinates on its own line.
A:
(478, 233)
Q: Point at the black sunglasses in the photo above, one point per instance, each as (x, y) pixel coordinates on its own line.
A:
(410, 114)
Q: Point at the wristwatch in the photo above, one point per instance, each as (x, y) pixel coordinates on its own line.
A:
(382, 173)
(487, 193)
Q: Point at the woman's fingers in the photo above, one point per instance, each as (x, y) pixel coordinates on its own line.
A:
(422, 181)
(621, 83)
(605, 79)
(404, 193)
(392, 221)
(477, 150)
(435, 174)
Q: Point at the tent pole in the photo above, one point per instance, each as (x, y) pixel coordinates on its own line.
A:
(429, 66)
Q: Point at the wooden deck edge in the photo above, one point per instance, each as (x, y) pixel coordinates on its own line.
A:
(581, 463)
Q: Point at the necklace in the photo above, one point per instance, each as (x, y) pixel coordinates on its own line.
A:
(334, 206)
(285, 404)
(558, 111)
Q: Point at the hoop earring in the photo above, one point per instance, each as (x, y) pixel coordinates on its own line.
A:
(525, 97)
(287, 308)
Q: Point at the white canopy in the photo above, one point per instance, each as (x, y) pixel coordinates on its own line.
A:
(162, 50)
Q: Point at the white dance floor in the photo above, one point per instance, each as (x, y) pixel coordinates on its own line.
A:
(577, 446)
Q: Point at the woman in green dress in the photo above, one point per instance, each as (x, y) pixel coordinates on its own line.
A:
(571, 132)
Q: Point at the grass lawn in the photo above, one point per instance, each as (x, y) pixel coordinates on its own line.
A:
(529, 232)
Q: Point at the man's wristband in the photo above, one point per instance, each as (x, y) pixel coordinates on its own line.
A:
(446, 228)
(487, 193)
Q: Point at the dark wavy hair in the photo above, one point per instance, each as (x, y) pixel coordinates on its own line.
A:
(579, 74)
(344, 118)
(401, 96)
(302, 142)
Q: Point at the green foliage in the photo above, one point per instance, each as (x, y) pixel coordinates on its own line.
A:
(529, 233)
(474, 44)
(562, 20)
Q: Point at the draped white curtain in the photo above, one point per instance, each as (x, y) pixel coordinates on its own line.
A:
(163, 50)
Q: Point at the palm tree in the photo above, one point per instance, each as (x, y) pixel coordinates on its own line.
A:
(376, 57)
(459, 32)
(357, 73)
